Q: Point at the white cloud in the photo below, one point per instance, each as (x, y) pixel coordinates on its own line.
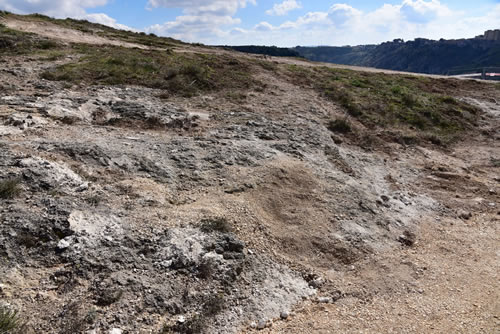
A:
(215, 21)
(421, 11)
(283, 8)
(202, 20)
(203, 7)
(342, 24)
(341, 14)
(55, 8)
(105, 20)
(194, 28)
(264, 26)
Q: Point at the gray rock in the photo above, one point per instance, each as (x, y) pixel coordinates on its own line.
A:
(84, 186)
(284, 315)
(317, 283)
(324, 300)
(465, 215)
(262, 324)
(49, 174)
(64, 243)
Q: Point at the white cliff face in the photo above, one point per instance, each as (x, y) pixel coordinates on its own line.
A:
(493, 35)
(490, 35)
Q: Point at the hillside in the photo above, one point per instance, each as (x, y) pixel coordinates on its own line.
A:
(264, 50)
(420, 56)
(153, 186)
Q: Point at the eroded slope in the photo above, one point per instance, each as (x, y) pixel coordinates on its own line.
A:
(217, 194)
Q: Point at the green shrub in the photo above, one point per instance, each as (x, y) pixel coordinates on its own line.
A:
(47, 44)
(10, 322)
(339, 125)
(409, 100)
(219, 224)
(9, 188)
(449, 100)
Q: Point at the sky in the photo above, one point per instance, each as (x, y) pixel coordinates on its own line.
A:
(280, 22)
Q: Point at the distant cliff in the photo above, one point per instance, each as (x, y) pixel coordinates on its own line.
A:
(420, 55)
(490, 35)
(265, 50)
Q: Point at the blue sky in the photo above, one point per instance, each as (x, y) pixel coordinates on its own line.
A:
(281, 22)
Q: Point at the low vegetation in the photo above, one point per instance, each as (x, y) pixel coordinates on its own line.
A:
(218, 224)
(389, 101)
(9, 188)
(14, 42)
(10, 322)
(178, 74)
(339, 125)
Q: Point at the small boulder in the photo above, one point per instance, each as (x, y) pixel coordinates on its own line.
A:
(262, 324)
(465, 215)
(64, 244)
(408, 238)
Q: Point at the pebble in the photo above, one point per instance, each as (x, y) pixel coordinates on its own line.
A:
(63, 244)
(324, 300)
(115, 331)
(284, 315)
(262, 324)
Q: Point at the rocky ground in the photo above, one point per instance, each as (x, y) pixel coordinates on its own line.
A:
(137, 214)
